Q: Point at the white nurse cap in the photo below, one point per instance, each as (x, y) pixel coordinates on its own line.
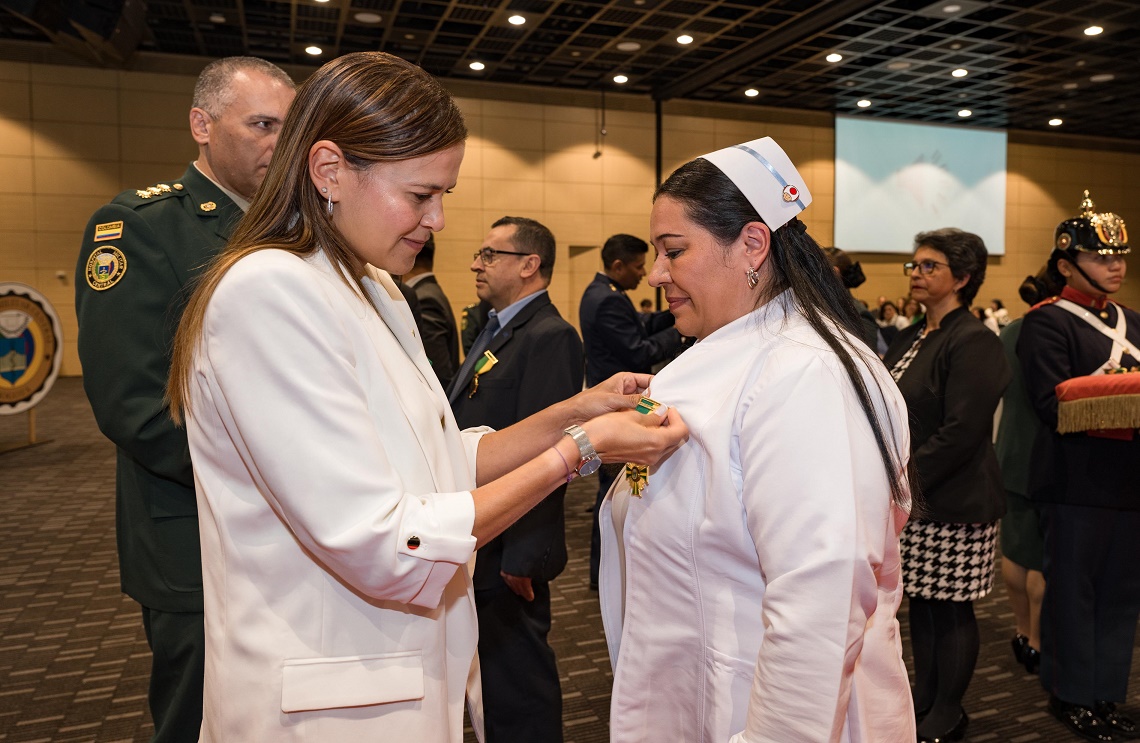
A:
(766, 177)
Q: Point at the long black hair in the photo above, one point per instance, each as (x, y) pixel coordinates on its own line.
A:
(713, 202)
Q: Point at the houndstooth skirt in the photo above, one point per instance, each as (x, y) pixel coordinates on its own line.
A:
(948, 562)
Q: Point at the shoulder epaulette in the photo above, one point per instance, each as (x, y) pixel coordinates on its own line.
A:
(1044, 302)
(157, 191)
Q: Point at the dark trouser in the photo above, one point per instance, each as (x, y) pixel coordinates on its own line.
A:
(522, 698)
(177, 643)
(606, 477)
(1092, 601)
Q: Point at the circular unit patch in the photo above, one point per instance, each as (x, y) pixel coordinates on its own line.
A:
(30, 347)
(105, 267)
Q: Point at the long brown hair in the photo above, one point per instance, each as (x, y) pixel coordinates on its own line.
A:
(375, 107)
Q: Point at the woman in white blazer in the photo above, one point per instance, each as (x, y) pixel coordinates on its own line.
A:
(339, 503)
(749, 587)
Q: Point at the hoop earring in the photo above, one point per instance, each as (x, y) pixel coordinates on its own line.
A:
(330, 204)
(753, 277)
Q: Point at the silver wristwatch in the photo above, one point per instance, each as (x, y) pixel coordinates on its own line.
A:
(588, 459)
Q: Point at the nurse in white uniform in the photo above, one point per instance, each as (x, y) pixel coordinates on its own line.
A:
(749, 587)
(339, 503)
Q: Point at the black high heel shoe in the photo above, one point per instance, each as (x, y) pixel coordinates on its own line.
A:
(1032, 660)
(956, 733)
(1020, 645)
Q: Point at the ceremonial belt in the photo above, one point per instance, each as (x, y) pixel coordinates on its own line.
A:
(1120, 343)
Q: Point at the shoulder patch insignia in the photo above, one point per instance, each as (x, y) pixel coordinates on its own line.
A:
(208, 206)
(106, 266)
(108, 231)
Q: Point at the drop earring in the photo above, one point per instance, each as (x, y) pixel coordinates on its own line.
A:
(753, 277)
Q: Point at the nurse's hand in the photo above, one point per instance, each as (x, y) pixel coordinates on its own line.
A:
(619, 392)
(642, 438)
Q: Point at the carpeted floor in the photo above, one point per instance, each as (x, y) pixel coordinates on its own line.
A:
(74, 661)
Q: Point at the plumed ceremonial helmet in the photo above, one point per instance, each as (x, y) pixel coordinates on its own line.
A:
(1092, 232)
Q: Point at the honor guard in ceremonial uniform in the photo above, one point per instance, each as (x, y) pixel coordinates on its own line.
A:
(1076, 351)
(140, 255)
(525, 359)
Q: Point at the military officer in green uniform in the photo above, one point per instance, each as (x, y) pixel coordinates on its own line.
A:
(140, 254)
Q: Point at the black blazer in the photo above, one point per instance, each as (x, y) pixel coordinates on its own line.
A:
(437, 325)
(616, 339)
(540, 363)
(952, 388)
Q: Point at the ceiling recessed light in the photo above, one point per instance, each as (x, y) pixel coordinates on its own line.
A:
(1093, 31)
(365, 17)
(217, 18)
(1102, 78)
(863, 103)
(684, 39)
(314, 50)
(1055, 122)
(955, 46)
(628, 46)
(1069, 86)
(834, 57)
(752, 92)
(476, 66)
(516, 20)
(951, 8)
(850, 83)
(322, 1)
(619, 79)
(960, 72)
(965, 113)
(898, 64)
(410, 37)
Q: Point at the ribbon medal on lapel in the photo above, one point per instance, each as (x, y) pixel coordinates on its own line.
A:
(482, 366)
(637, 475)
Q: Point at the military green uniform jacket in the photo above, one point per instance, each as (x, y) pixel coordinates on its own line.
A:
(140, 256)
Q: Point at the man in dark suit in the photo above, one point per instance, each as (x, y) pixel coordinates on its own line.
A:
(437, 321)
(617, 339)
(526, 359)
(140, 255)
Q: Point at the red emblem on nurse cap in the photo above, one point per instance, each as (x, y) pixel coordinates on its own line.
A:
(791, 193)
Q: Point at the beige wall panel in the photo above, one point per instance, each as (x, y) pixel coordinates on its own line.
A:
(17, 251)
(71, 140)
(60, 292)
(65, 213)
(573, 166)
(16, 71)
(635, 119)
(512, 133)
(15, 137)
(630, 140)
(17, 213)
(75, 103)
(141, 175)
(469, 106)
(16, 175)
(147, 144)
(15, 100)
(574, 229)
(573, 115)
(87, 77)
(682, 146)
(512, 110)
(512, 164)
(58, 251)
(154, 108)
(472, 166)
(160, 83)
(90, 177)
(620, 168)
(628, 224)
(673, 123)
(70, 366)
(562, 135)
(635, 200)
(463, 226)
(583, 198)
(22, 276)
(459, 286)
(511, 197)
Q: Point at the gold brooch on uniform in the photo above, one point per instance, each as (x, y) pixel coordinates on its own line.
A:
(482, 366)
(208, 206)
(105, 267)
(637, 475)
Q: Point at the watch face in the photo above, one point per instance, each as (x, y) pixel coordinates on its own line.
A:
(590, 466)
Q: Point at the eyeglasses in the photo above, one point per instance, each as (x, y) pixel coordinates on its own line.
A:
(487, 255)
(924, 267)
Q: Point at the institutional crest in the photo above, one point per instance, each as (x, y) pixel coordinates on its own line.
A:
(30, 347)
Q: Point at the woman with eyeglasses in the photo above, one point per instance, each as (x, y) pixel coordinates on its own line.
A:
(952, 371)
(339, 502)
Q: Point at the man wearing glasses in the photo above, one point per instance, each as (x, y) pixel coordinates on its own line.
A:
(525, 359)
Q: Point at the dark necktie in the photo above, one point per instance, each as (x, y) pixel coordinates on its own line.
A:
(482, 342)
